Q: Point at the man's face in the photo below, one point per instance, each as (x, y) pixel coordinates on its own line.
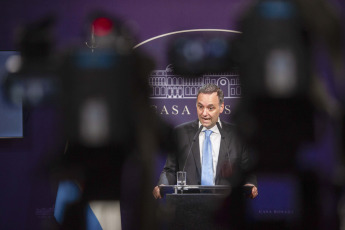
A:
(208, 109)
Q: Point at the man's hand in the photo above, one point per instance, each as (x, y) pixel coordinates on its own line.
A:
(254, 193)
(157, 192)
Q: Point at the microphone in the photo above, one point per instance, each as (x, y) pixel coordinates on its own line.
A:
(190, 148)
(226, 170)
(220, 129)
(222, 136)
(93, 44)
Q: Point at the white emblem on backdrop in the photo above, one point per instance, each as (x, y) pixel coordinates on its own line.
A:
(165, 84)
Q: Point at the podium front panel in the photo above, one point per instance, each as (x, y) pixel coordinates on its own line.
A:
(195, 211)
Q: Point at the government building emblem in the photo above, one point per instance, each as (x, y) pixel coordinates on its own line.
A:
(165, 84)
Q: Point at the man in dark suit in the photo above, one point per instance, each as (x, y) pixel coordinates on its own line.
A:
(228, 161)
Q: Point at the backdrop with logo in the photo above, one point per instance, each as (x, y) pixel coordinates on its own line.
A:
(28, 197)
(173, 98)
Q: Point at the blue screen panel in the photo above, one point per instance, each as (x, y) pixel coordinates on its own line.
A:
(11, 116)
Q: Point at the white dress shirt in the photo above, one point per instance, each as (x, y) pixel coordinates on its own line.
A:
(215, 141)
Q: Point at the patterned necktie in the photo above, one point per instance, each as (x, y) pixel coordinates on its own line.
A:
(207, 168)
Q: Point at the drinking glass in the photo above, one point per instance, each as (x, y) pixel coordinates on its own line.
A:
(181, 178)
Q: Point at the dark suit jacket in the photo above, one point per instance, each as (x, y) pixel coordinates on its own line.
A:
(233, 165)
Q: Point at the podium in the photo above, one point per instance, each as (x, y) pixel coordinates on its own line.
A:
(194, 206)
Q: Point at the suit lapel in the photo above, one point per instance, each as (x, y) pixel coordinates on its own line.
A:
(223, 154)
(195, 148)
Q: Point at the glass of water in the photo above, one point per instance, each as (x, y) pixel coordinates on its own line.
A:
(181, 178)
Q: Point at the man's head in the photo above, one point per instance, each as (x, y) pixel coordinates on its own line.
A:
(209, 104)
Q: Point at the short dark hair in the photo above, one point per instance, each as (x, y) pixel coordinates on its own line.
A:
(212, 88)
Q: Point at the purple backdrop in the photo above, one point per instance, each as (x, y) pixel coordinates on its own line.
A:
(27, 196)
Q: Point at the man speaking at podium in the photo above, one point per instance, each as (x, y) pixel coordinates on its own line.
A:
(208, 150)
